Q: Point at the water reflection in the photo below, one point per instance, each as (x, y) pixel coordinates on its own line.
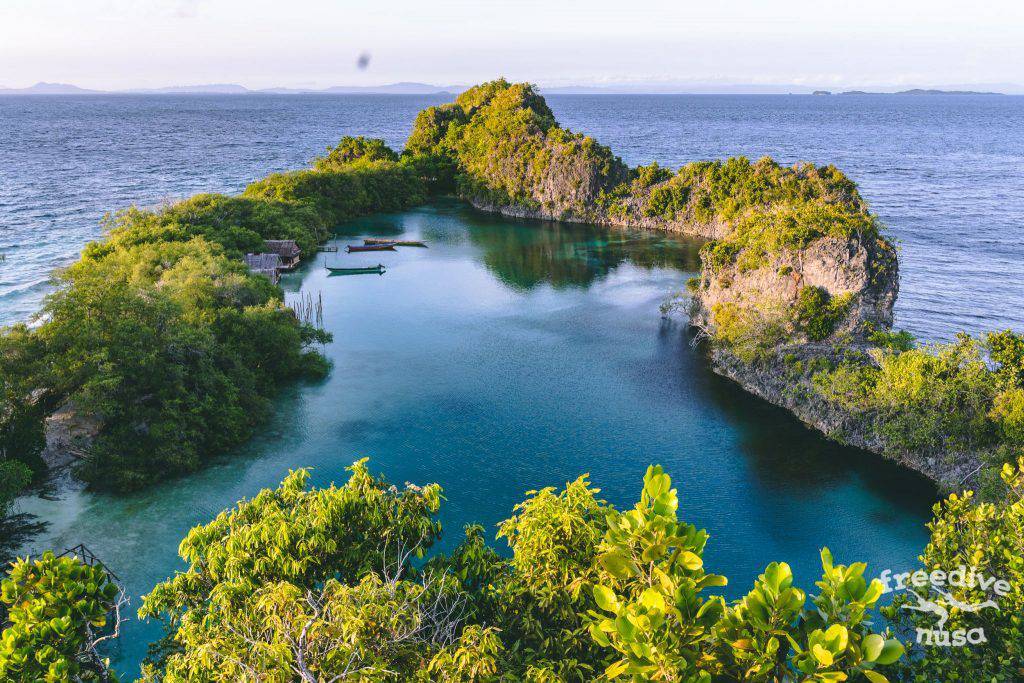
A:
(526, 254)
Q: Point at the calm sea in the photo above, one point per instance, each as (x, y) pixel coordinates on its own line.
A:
(944, 172)
(512, 355)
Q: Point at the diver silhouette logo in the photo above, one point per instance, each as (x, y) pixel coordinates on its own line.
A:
(921, 585)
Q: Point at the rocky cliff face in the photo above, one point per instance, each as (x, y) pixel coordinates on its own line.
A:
(69, 433)
(775, 379)
(863, 271)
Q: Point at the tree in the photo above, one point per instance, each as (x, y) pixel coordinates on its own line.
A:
(652, 613)
(309, 561)
(60, 611)
(986, 539)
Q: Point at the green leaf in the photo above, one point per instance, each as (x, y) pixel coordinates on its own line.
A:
(691, 561)
(875, 677)
(891, 652)
(605, 598)
(599, 636)
(617, 565)
(653, 599)
(616, 669)
(873, 645)
(826, 559)
(823, 656)
(656, 484)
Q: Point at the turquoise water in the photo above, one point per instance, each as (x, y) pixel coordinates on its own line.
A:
(514, 355)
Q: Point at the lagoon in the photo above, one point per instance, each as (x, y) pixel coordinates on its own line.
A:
(508, 356)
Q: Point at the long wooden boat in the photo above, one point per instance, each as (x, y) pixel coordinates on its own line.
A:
(387, 246)
(359, 270)
(397, 243)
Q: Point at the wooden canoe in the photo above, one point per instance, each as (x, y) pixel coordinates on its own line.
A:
(377, 270)
(388, 246)
(397, 243)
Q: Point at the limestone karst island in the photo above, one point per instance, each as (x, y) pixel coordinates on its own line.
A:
(496, 405)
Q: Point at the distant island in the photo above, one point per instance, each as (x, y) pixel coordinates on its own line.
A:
(913, 91)
(416, 88)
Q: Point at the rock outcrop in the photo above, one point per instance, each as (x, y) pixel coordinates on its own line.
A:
(69, 433)
(775, 379)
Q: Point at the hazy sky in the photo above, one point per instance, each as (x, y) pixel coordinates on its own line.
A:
(259, 43)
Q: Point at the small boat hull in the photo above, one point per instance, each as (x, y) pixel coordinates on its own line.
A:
(362, 270)
(370, 247)
(372, 241)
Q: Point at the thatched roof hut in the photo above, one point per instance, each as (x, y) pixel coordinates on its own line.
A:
(288, 250)
(265, 264)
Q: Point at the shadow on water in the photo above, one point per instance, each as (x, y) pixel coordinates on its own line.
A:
(524, 254)
(786, 455)
(15, 531)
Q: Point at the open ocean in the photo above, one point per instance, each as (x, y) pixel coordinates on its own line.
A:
(945, 173)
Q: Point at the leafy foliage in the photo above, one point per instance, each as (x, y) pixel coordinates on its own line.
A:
(817, 312)
(14, 476)
(314, 585)
(352, 149)
(988, 538)
(653, 616)
(340, 191)
(21, 410)
(177, 348)
(57, 608)
(499, 144)
(290, 560)
(319, 584)
(926, 399)
(238, 224)
(750, 332)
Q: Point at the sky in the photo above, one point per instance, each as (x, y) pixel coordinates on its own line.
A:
(112, 44)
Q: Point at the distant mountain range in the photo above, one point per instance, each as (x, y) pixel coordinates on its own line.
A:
(411, 88)
(914, 91)
(235, 89)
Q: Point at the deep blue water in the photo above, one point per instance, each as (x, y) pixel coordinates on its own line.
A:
(513, 355)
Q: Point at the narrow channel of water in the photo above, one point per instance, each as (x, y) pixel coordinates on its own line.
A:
(513, 355)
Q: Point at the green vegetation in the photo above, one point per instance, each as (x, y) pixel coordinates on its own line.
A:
(817, 312)
(238, 224)
(336, 583)
(178, 349)
(940, 399)
(724, 190)
(750, 332)
(339, 583)
(21, 419)
(339, 190)
(58, 613)
(762, 235)
(499, 144)
(988, 537)
(160, 332)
